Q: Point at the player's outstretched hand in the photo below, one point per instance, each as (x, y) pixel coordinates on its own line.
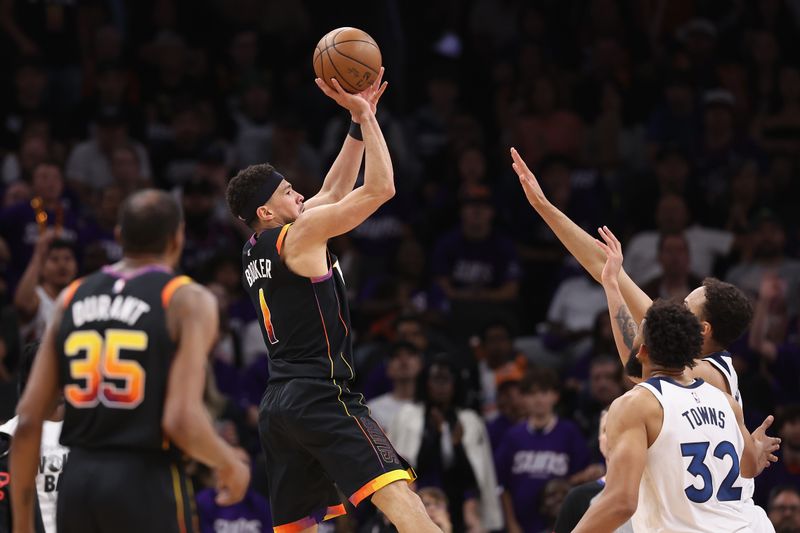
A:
(357, 104)
(766, 445)
(613, 249)
(233, 479)
(533, 191)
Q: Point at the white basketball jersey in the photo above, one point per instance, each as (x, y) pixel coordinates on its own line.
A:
(691, 481)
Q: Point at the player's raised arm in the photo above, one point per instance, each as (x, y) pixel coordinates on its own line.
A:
(622, 323)
(36, 404)
(627, 458)
(317, 225)
(192, 319)
(579, 243)
(343, 172)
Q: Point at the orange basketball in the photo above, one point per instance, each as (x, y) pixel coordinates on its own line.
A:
(349, 55)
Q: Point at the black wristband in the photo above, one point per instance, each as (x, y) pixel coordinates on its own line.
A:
(355, 131)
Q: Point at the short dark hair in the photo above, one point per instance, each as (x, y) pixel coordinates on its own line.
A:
(62, 244)
(672, 334)
(727, 309)
(244, 186)
(25, 365)
(780, 489)
(662, 238)
(543, 379)
(147, 220)
(399, 346)
(442, 360)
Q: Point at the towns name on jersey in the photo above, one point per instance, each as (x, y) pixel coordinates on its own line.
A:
(258, 268)
(102, 307)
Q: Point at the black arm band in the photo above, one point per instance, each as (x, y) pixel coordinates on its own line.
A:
(355, 131)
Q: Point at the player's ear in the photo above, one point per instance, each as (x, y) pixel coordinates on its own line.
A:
(264, 213)
(705, 329)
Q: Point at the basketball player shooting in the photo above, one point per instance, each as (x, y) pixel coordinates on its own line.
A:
(668, 417)
(316, 434)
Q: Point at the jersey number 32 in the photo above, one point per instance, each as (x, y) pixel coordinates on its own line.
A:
(96, 361)
(697, 467)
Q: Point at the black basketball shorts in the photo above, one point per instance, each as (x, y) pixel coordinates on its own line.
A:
(124, 492)
(317, 436)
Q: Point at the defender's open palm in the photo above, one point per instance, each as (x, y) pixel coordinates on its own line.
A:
(533, 191)
(766, 445)
(613, 250)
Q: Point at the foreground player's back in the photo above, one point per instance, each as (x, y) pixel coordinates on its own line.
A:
(691, 481)
(115, 354)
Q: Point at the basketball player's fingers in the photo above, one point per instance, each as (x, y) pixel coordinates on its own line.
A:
(379, 79)
(380, 91)
(337, 87)
(607, 238)
(325, 88)
(766, 424)
(520, 162)
(614, 239)
(603, 246)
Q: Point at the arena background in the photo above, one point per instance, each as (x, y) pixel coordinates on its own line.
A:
(677, 124)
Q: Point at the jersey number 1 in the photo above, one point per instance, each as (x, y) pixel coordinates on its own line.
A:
(697, 467)
(100, 363)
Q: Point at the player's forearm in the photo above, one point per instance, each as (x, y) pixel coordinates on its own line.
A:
(25, 300)
(378, 173)
(24, 457)
(605, 515)
(622, 324)
(194, 434)
(343, 173)
(579, 243)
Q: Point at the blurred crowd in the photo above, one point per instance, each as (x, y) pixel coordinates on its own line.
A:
(482, 348)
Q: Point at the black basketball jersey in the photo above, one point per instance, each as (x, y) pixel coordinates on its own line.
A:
(305, 321)
(115, 353)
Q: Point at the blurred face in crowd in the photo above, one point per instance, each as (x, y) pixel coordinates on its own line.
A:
(674, 256)
(32, 152)
(59, 267)
(672, 215)
(471, 167)
(111, 135)
(30, 82)
(790, 435)
(556, 183)
(441, 385)
(244, 49)
(744, 185)
(404, 365)
(476, 220)
(111, 86)
(672, 172)
(497, 345)
(256, 102)
(187, 128)
(48, 182)
(435, 503)
(539, 402)
(553, 496)
(413, 332)
(108, 207)
(509, 401)
(604, 382)
(443, 93)
(784, 512)
(125, 166)
(769, 240)
(718, 121)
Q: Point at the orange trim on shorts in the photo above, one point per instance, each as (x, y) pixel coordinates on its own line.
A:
(173, 285)
(281, 237)
(378, 483)
(333, 512)
(69, 292)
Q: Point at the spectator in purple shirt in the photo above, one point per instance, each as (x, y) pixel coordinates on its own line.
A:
(475, 265)
(251, 515)
(535, 451)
